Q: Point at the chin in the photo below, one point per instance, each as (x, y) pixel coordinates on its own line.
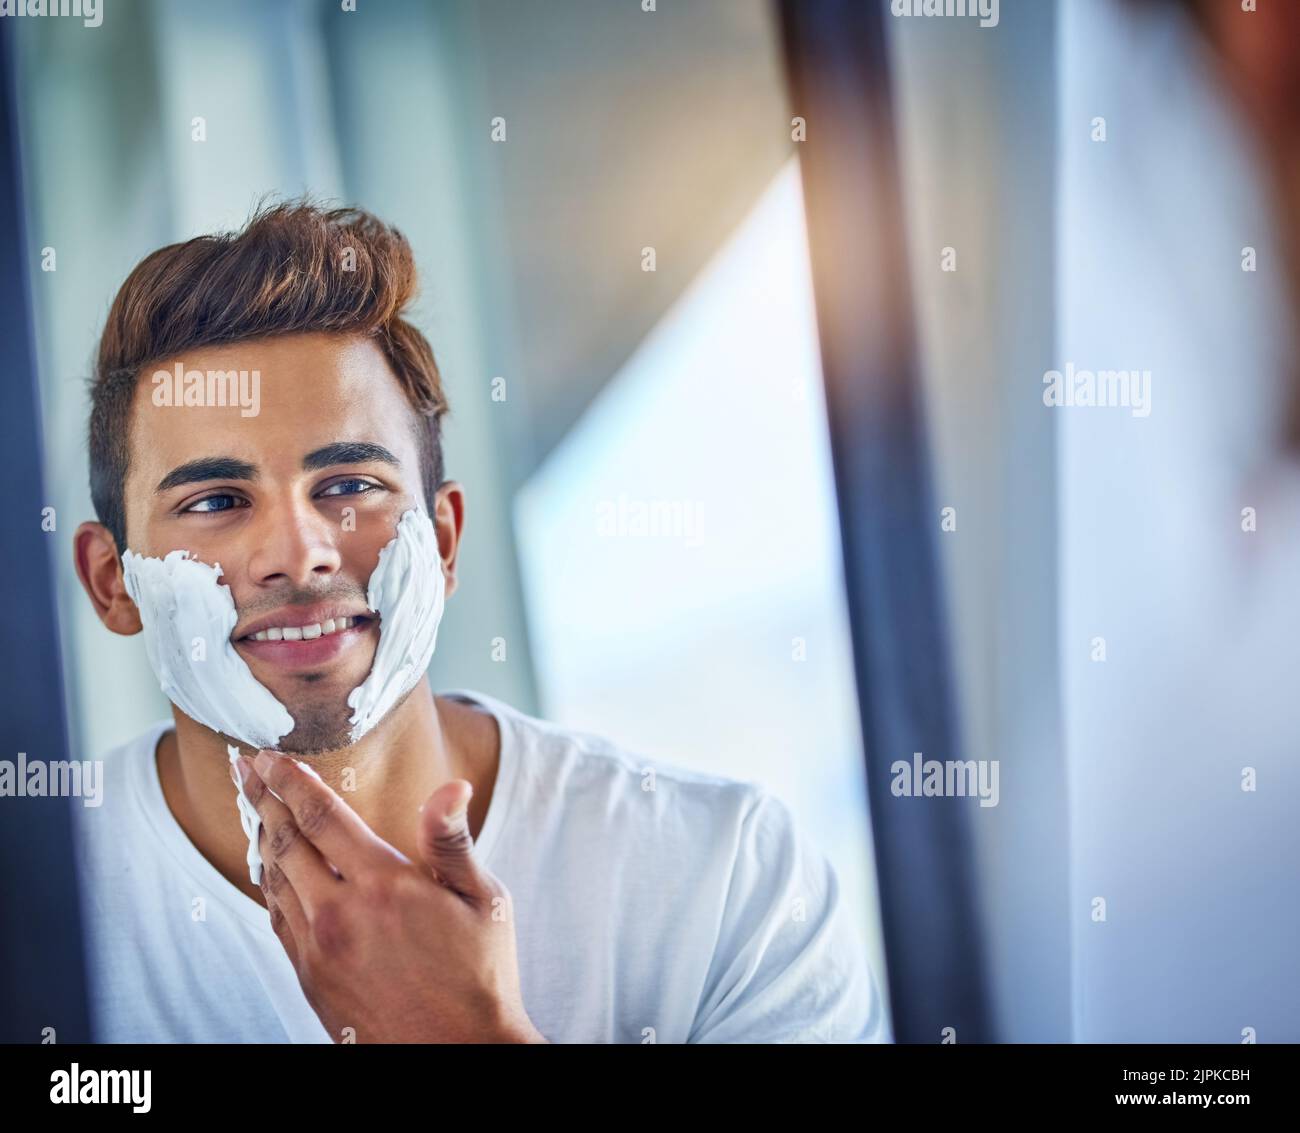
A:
(313, 694)
(321, 722)
(316, 740)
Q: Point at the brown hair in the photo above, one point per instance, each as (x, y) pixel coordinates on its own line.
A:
(294, 268)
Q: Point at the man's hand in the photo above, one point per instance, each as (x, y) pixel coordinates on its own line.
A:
(395, 950)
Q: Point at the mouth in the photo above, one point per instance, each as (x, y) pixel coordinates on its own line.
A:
(289, 642)
(305, 632)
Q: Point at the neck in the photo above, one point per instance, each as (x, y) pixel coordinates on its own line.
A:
(384, 777)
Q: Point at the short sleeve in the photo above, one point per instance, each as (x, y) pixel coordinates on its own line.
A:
(787, 966)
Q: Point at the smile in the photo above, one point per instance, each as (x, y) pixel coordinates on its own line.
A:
(301, 648)
(304, 633)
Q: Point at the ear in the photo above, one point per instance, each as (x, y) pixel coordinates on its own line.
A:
(449, 519)
(94, 552)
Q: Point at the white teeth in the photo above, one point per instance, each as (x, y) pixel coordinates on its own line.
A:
(305, 633)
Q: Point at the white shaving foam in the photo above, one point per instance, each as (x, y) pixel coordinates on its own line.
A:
(181, 603)
(250, 820)
(407, 591)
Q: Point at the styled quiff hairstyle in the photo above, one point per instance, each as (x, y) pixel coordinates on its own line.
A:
(294, 268)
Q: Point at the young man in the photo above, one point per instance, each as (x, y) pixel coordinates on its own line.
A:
(266, 529)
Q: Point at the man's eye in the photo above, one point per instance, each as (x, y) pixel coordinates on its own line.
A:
(214, 503)
(352, 488)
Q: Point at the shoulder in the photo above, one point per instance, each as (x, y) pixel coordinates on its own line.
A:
(123, 762)
(570, 788)
(123, 772)
(142, 742)
(114, 839)
(587, 773)
(739, 844)
(777, 959)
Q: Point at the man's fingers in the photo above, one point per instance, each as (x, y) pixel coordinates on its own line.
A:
(287, 917)
(322, 817)
(282, 844)
(446, 846)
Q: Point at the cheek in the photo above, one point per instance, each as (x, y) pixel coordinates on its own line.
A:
(360, 549)
(360, 565)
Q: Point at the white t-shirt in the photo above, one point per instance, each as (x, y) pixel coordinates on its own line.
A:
(693, 912)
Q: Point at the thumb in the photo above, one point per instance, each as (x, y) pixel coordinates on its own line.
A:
(444, 842)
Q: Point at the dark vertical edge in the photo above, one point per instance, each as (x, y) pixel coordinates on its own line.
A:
(837, 64)
(42, 970)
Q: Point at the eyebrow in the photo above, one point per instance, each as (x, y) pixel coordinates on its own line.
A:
(231, 468)
(348, 452)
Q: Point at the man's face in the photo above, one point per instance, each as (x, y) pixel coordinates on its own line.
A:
(294, 503)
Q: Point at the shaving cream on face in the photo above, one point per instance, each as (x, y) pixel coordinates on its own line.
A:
(188, 617)
(407, 591)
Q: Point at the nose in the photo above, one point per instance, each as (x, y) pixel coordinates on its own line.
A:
(292, 543)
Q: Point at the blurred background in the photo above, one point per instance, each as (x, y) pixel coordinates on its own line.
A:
(655, 542)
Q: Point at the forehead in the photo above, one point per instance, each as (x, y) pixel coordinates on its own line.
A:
(283, 397)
